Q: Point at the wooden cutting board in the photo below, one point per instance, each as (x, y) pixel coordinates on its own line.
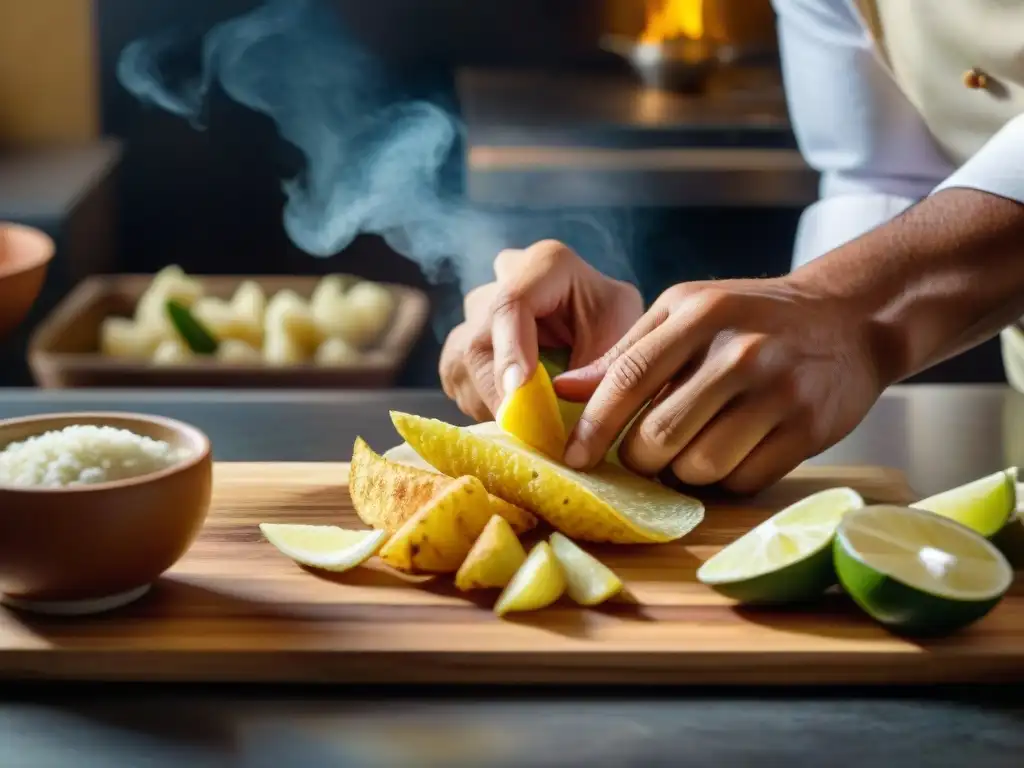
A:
(234, 609)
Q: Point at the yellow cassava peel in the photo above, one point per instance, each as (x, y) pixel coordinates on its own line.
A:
(386, 493)
(440, 535)
(608, 504)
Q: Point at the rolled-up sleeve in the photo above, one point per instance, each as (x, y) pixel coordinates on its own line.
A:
(998, 167)
(853, 125)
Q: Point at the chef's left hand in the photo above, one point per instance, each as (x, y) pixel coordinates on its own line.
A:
(748, 378)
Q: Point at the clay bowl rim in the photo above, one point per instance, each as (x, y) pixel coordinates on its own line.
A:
(198, 440)
(10, 269)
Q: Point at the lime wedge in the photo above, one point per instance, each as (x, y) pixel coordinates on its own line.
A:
(786, 558)
(918, 572)
(326, 547)
(984, 505)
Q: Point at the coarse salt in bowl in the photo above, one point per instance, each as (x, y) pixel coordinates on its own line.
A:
(84, 454)
(95, 507)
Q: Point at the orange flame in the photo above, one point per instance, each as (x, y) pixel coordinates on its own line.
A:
(672, 19)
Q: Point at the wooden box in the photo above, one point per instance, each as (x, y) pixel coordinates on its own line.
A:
(64, 350)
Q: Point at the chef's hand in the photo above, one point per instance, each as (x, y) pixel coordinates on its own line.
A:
(545, 295)
(748, 379)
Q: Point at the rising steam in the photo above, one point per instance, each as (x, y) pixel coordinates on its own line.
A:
(373, 165)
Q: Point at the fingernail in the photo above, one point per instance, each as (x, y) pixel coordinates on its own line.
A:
(576, 456)
(512, 379)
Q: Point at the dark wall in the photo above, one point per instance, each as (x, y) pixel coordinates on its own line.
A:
(212, 199)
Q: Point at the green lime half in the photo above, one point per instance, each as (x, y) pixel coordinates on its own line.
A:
(984, 505)
(918, 572)
(788, 557)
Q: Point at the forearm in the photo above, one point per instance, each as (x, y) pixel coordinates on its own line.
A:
(940, 278)
(835, 220)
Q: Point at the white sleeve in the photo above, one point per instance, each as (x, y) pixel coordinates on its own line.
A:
(998, 167)
(852, 124)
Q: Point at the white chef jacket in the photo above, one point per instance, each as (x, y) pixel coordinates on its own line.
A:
(856, 127)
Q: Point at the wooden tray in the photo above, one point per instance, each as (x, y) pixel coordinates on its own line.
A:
(63, 349)
(234, 609)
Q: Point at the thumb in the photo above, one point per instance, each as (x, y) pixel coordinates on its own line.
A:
(531, 283)
(514, 339)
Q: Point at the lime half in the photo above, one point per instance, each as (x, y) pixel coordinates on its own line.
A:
(786, 558)
(984, 505)
(918, 572)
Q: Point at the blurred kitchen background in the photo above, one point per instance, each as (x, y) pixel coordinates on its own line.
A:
(403, 141)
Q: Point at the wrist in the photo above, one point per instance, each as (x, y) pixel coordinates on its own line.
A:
(868, 308)
(937, 280)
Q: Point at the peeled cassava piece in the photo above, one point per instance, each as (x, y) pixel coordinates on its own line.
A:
(531, 414)
(494, 559)
(588, 581)
(386, 493)
(538, 583)
(607, 504)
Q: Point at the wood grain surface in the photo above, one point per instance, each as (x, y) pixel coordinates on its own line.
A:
(234, 609)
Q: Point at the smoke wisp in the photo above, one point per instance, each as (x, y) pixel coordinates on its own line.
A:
(373, 162)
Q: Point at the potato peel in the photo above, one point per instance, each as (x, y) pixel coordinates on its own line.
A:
(387, 494)
(495, 557)
(439, 536)
(606, 504)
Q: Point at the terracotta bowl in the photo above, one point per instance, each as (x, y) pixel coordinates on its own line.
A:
(25, 254)
(91, 548)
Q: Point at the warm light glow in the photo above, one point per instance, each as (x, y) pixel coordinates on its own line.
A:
(672, 19)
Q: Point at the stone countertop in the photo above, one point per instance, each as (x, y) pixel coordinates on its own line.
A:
(941, 436)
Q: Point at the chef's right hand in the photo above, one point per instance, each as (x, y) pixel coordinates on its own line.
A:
(545, 295)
